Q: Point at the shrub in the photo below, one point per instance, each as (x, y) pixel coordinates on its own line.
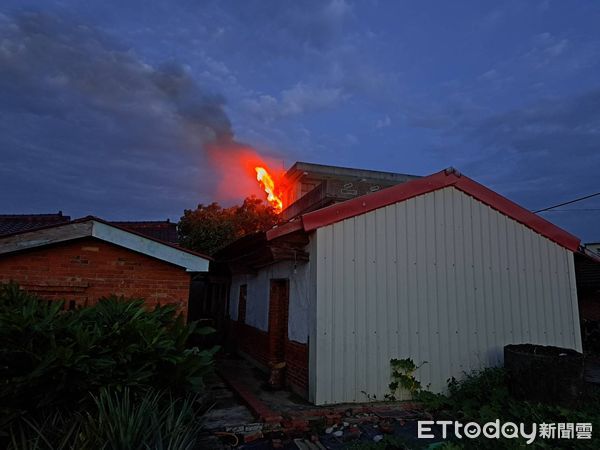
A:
(483, 397)
(50, 358)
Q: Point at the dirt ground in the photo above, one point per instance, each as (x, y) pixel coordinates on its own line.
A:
(232, 422)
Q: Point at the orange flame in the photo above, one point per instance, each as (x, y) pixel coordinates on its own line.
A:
(267, 183)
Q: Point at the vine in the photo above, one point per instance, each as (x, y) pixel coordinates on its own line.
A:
(403, 377)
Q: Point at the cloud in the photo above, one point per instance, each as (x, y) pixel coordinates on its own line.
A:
(383, 123)
(351, 139)
(544, 154)
(489, 75)
(545, 48)
(538, 154)
(85, 121)
(548, 148)
(49, 59)
(316, 26)
(303, 98)
(297, 100)
(312, 26)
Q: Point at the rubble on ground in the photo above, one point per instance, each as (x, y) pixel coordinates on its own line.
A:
(325, 429)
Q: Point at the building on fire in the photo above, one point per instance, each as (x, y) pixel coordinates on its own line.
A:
(370, 266)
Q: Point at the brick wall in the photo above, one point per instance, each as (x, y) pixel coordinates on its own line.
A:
(278, 319)
(589, 306)
(84, 270)
(252, 341)
(296, 358)
(256, 344)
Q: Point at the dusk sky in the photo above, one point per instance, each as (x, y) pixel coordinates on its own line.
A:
(108, 108)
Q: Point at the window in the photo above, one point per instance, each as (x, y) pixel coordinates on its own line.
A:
(242, 304)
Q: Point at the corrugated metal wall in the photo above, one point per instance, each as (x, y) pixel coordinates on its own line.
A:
(441, 278)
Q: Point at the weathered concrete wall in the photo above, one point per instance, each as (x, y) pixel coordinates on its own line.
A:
(257, 303)
(252, 336)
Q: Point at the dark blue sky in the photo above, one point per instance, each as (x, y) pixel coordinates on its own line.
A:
(107, 108)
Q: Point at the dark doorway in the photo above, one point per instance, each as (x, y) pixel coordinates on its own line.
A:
(278, 319)
(208, 305)
(242, 304)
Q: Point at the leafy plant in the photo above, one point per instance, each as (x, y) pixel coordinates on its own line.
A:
(483, 397)
(52, 359)
(116, 420)
(403, 377)
(370, 397)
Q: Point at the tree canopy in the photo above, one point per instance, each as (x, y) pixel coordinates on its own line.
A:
(210, 227)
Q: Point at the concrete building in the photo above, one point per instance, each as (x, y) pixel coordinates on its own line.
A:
(310, 186)
(439, 269)
(593, 247)
(587, 271)
(82, 260)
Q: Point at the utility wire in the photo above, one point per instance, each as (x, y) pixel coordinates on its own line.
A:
(574, 209)
(568, 203)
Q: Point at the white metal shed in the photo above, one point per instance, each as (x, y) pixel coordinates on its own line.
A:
(439, 269)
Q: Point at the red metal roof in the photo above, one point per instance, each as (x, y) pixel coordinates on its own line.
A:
(440, 180)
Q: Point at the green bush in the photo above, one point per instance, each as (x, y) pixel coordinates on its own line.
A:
(484, 397)
(51, 358)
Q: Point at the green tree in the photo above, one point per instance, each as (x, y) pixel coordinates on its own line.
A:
(210, 227)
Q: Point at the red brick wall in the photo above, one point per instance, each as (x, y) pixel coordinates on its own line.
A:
(589, 305)
(278, 319)
(252, 341)
(87, 269)
(256, 344)
(296, 359)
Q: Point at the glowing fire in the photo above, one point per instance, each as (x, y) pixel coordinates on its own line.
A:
(239, 167)
(267, 183)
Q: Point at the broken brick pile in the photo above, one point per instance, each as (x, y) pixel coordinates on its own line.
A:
(340, 423)
(330, 425)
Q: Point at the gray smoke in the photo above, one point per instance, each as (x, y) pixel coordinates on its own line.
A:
(49, 63)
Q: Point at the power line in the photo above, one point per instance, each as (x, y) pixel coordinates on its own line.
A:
(574, 209)
(568, 203)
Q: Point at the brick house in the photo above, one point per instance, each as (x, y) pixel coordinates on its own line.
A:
(85, 259)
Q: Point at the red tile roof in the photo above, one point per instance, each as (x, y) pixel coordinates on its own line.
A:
(163, 230)
(14, 223)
